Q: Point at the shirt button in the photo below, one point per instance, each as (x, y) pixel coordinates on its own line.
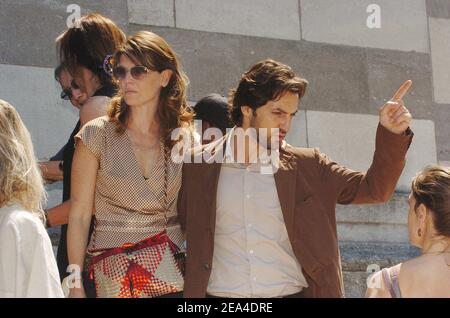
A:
(206, 266)
(248, 196)
(251, 252)
(254, 279)
(250, 225)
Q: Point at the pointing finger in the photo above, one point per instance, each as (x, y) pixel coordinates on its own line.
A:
(402, 90)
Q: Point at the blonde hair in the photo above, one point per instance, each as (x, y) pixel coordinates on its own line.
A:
(20, 179)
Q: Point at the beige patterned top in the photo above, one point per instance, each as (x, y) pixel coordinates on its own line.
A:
(129, 208)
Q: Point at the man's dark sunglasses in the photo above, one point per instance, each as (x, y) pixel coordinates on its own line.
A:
(136, 72)
(66, 93)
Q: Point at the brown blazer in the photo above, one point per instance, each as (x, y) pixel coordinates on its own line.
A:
(309, 186)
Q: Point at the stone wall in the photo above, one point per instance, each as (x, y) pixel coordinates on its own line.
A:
(352, 70)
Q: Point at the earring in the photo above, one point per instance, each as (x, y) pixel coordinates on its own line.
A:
(419, 232)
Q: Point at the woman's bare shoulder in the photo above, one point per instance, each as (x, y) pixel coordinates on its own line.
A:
(96, 102)
(94, 107)
(426, 270)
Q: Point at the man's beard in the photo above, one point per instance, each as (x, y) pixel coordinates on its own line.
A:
(267, 144)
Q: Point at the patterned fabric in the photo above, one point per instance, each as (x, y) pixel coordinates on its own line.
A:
(129, 208)
(146, 269)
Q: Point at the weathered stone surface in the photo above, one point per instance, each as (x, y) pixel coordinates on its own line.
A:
(355, 284)
(151, 12)
(214, 63)
(360, 259)
(363, 232)
(251, 17)
(438, 9)
(394, 211)
(346, 24)
(35, 94)
(441, 117)
(349, 139)
(29, 28)
(357, 256)
(387, 70)
(440, 52)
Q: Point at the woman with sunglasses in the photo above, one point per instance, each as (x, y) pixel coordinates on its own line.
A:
(84, 50)
(122, 167)
(52, 170)
(70, 90)
(429, 229)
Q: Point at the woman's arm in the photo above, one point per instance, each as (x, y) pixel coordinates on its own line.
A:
(51, 170)
(84, 176)
(59, 214)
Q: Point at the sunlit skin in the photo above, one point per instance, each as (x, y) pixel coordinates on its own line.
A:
(86, 80)
(142, 96)
(426, 275)
(143, 91)
(78, 97)
(421, 218)
(276, 114)
(414, 222)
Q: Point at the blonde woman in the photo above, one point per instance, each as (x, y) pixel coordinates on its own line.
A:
(429, 229)
(27, 264)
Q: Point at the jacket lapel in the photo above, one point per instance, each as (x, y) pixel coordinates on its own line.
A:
(214, 154)
(285, 180)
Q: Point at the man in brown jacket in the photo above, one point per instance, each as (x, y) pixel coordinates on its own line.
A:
(255, 234)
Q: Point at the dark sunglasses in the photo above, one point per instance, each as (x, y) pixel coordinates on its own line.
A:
(137, 72)
(66, 93)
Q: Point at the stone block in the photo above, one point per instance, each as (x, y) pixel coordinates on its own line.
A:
(393, 212)
(441, 117)
(403, 24)
(387, 70)
(438, 9)
(263, 18)
(35, 94)
(214, 63)
(440, 52)
(29, 28)
(349, 139)
(151, 12)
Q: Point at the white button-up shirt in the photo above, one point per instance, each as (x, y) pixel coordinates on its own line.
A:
(27, 263)
(253, 256)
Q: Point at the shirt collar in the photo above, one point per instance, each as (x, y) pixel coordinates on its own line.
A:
(229, 155)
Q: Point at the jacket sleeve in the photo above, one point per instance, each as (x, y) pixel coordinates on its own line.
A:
(377, 184)
(181, 203)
